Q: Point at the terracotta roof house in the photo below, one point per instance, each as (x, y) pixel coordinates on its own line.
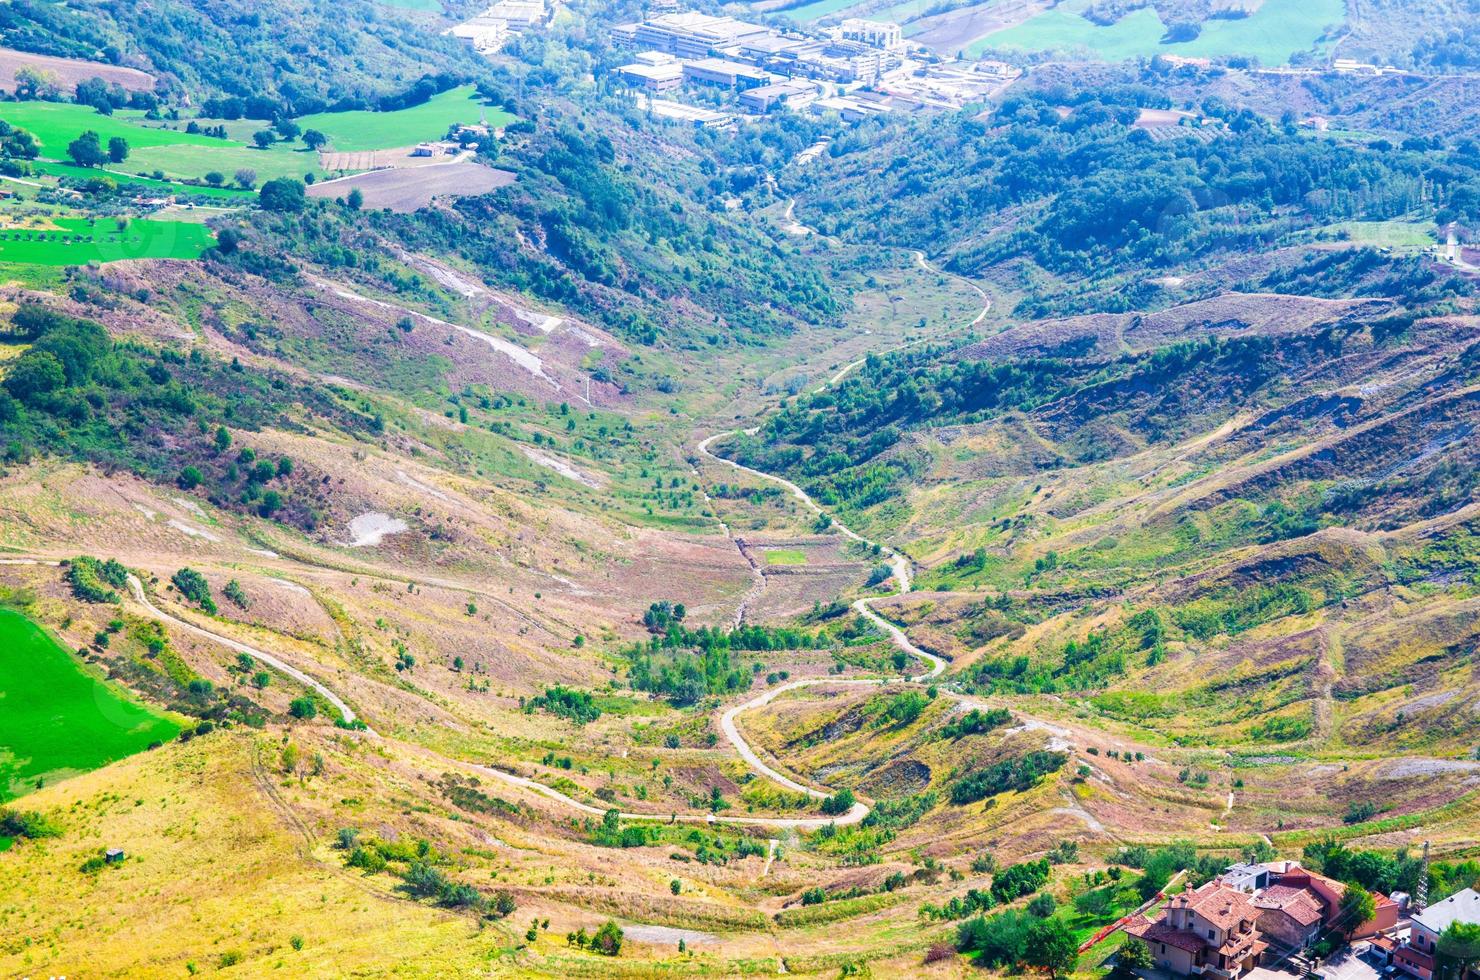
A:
(1327, 893)
(1288, 916)
(1210, 931)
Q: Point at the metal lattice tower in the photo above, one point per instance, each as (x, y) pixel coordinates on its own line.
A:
(1421, 893)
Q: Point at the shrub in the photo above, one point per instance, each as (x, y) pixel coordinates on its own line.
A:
(1020, 879)
(839, 803)
(1020, 774)
(976, 722)
(237, 594)
(194, 587)
(95, 581)
(567, 703)
(303, 709)
(608, 939)
(27, 824)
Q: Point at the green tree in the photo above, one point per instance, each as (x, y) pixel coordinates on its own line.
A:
(1051, 946)
(264, 138)
(1357, 906)
(117, 149)
(608, 939)
(87, 150)
(1458, 950)
(675, 886)
(314, 139)
(355, 199)
(303, 709)
(839, 803)
(281, 194)
(189, 478)
(33, 376)
(1133, 955)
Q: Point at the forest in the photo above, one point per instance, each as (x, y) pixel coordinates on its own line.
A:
(1063, 178)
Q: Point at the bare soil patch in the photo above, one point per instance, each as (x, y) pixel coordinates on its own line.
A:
(69, 71)
(406, 189)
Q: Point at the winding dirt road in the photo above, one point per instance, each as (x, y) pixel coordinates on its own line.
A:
(137, 588)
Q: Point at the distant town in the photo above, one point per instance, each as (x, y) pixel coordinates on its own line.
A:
(709, 71)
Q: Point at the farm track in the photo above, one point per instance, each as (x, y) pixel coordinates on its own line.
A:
(901, 574)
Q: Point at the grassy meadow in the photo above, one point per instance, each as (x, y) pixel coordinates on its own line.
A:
(59, 719)
(156, 148)
(79, 241)
(1272, 34)
(353, 132)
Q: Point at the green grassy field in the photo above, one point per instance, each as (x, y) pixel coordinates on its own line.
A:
(785, 556)
(1389, 234)
(152, 147)
(83, 240)
(57, 718)
(352, 132)
(176, 153)
(818, 9)
(1277, 30)
(55, 124)
(225, 195)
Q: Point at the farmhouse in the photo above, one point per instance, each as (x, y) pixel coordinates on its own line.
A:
(1212, 930)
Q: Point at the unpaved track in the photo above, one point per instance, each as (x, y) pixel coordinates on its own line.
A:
(137, 588)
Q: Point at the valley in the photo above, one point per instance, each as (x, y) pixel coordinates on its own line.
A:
(457, 521)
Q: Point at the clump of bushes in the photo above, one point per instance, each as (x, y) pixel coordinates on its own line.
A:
(96, 581)
(27, 824)
(194, 587)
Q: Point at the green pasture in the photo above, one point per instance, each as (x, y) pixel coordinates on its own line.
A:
(1274, 32)
(175, 153)
(82, 240)
(818, 9)
(785, 556)
(56, 718)
(353, 132)
(55, 124)
(225, 195)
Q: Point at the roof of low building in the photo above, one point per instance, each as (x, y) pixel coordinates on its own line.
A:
(1463, 906)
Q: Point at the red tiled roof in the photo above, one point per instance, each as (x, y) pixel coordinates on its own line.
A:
(1297, 903)
(1160, 932)
(1222, 905)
